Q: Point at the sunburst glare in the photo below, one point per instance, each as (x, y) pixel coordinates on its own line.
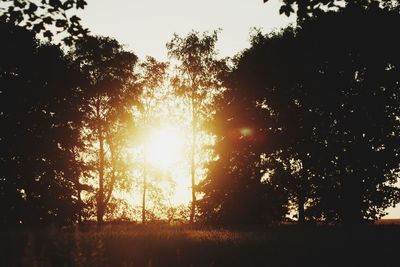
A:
(164, 147)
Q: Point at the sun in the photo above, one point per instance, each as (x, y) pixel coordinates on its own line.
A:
(164, 147)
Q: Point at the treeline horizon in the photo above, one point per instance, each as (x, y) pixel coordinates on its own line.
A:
(306, 120)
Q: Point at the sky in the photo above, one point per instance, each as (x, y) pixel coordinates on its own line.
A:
(145, 26)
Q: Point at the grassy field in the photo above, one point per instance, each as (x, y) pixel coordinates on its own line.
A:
(176, 246)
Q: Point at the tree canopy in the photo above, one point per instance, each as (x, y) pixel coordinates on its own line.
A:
(331, 113)
(305, 121)
(308, 8)
(39, 128)
(109, 93)
(198, 81)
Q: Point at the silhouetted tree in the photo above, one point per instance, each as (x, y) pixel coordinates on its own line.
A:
(356, 93)
(45, 16)
(270, 72)
(197, 80)
(330, 92)
(235, 189)
(39, 122)
(307, 8)
(109, 95)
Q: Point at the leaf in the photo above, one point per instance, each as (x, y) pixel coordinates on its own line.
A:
(38, 27)
(68, 4)
(48, 34)
(61, 23)
(32, 8)
(68, 41)
(55, 3)
(80, 4)
(19, 4)
(74, 20)
(48, 20)
(286, 9)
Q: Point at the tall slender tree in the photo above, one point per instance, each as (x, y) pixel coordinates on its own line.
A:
(151, 79)
(197, 80)
(109, 94)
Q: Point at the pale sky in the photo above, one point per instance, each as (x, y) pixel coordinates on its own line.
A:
(145, 26)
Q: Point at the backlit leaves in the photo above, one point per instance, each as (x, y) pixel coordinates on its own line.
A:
(43, 16)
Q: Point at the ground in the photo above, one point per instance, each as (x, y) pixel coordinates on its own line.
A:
(178, 246)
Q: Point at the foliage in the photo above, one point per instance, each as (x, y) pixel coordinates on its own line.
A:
(43, 16)
(307, 120)
(109, 93)
(308, 8)
(198, 80)
(39, 130)
(333, 108)
(234, 190)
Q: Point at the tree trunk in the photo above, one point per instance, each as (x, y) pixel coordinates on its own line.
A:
(144, 194)
(100, 194)
(300, 209)
(193, 163)
(352, 200)
(80, 207)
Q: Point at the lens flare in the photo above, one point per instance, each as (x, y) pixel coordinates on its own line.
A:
(246, 132)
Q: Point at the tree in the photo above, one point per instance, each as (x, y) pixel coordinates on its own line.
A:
(151, 82)
(270, 71)
(109, 94)
(235, 191)
(357, 90)
(332, 110)
(42, 16)
(197, 80)
(308, 8)
(39, 120)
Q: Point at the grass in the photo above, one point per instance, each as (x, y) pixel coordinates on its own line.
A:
(178, 246)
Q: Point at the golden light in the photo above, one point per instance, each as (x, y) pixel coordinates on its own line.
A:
(164, 147)
(245, 132)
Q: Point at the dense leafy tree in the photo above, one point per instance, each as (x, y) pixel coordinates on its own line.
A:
(108, 97)
(357, 92)
(235, 190)
(39, 122)
(43, 16)
(271, 71)
(332, 110)
(198, 81)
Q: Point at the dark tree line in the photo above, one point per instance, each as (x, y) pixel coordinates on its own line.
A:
(54, 109)
(39, 129)
(318, 123)
(305, 9)
(309, 121)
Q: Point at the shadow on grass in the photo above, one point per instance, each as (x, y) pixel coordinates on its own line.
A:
(155, 245)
